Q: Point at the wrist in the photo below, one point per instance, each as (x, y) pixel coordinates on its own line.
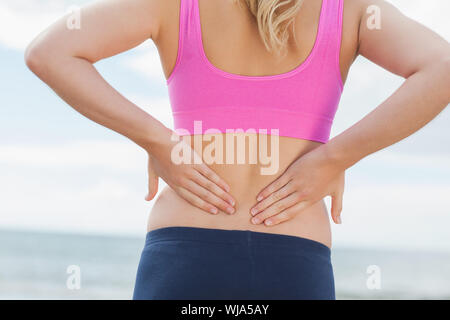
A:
(335, 156)
(156, 138)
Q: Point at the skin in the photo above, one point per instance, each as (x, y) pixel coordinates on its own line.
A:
(291, 200)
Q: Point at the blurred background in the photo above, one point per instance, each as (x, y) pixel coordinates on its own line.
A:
(72, 192)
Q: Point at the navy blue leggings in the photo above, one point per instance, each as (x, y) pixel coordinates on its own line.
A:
(199, 263)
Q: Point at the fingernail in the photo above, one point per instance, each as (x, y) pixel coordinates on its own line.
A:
(254, 211)
(214, 210)
(255, 220)
(259, 198)
(231, 202)
(230, 210)
(268, 222)
(339, 220)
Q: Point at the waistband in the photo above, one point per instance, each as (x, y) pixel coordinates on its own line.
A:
(234, 236)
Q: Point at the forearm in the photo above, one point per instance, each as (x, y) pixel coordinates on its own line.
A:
(420, 99)
(78, 83)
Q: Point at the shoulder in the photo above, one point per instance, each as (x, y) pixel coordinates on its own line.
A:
(358, 11)
(367, 12)
(360, 15)
(168, 13)
(160, 13)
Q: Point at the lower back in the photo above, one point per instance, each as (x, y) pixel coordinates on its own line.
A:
(257, 167)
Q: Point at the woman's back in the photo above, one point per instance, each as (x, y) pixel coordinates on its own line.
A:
(232, 42)
(232, 46)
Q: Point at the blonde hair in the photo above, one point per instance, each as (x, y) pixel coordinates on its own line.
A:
(274, 17)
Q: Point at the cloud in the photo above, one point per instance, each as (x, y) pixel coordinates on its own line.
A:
(22, 20)
(418, 158)
(158, 108)
(396, 215)
(115, 155)
(431, 13)
(146, 62)
(108, 205)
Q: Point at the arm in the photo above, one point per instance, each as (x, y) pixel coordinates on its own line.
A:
(64, 59)
(403, 47)
(414, 52)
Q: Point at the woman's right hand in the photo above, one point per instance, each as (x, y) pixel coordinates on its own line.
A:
(195, 182)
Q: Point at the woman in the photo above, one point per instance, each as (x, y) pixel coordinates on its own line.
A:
(249, 221)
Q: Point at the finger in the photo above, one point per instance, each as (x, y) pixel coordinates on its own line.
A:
(209, 197)
(336, 208)
(287, 214)
(211, 186)
(274, 186)
(152, 183)
(196, 201)
(272, 198)
(276, 208)
(211, 175)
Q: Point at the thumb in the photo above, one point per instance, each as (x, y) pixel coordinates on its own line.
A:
(336, 207)
(152, 182)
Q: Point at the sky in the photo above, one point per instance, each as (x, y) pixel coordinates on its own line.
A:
(62, 172)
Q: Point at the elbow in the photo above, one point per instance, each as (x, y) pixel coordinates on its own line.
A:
(36, 58)
(439, 70)
(33, 58)
(445, 65)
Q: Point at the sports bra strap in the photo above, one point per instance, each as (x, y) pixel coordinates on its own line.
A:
(328, 36)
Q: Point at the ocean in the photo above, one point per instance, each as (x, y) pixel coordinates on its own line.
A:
(37, 265)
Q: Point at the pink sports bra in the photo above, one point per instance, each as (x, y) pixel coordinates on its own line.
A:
(300, 103)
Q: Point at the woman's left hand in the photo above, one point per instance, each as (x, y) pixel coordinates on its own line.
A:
(309, 179)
